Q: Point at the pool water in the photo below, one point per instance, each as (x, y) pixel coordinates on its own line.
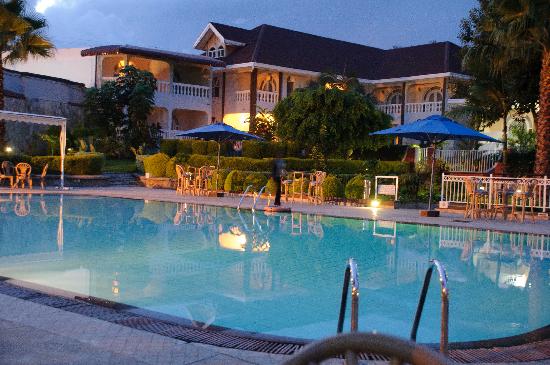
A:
(278, 275)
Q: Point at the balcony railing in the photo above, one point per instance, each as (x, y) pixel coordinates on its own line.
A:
(473, 161)
(415, 111)
(163, 87)
(243, 95)
(429, 107)
(266, 97)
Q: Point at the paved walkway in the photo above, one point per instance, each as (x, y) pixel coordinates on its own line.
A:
(448, 218)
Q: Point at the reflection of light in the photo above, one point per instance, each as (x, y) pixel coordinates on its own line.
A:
(9, 149)
(264, 247)
(233, 240)
(375, 203)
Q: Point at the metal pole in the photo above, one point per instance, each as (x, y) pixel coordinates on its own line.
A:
(431, 179)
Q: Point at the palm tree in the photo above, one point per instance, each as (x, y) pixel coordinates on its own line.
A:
(21, 35)
(522, 29)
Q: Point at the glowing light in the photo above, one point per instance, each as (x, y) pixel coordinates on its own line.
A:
(9, 149)
(375, 203)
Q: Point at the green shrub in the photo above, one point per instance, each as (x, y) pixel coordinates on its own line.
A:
(256, 179)
(219, 176)
(254, 149)
(345, 166)
(155, 165)
(520, 163)
(201, 160)
(392, 168)
(77, 164)
(199, 147)
(185, 146)
(332, 187)
(171, 168)
(297, 185)
(355, 187)
(212, 148)
(409, 186)
(139, 163)
(15, 158)
(169, 147)
(275, 150)
(234, 181)
(293, 149)
(271, 186)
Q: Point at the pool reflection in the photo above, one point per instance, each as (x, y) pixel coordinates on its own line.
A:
(278, 274)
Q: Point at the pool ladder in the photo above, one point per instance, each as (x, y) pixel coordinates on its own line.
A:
(257, 197)
(351, 277)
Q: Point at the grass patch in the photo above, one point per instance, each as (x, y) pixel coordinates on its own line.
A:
(120, 166)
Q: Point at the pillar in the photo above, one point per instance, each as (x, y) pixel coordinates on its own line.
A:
(403, 101)
(280, 86)
(253, 98)
(444, 101)
(223, 94)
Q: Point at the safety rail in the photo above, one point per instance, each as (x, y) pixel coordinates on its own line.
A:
(242, 196)
(257, 197)
(444, 339)
(473, 161)
(350, 275)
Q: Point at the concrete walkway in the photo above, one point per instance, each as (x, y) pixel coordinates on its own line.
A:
(448, 218)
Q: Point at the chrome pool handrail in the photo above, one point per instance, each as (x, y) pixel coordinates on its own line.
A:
(242, 196)
(444, 339)
(257, 197)
(350, 275)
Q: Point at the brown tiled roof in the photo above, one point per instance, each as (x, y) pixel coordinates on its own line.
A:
(288, 48)
(152, 53)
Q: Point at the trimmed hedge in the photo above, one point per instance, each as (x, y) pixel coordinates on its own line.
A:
(156, 165)
(355, 188)
(234, 181)
(393, 168)
(169, 147)
(77, 164)
(256, 179)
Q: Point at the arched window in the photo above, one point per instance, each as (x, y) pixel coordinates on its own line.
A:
(216, 87)
(221, 52)
(394, 98)
(212, 52)
(433, 95)
(268, 85)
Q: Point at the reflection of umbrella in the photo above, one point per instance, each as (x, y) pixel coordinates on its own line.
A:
(219, 132)
(60, 234)
(435, 129)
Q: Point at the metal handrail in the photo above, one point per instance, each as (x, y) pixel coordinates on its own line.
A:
(350, 275)
(257, 197)
(242, 196)
(444, 339)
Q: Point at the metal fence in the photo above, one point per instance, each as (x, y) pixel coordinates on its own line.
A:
(478, 161)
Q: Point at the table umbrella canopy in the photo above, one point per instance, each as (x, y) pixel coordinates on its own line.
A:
(218, 132)
(435, 129)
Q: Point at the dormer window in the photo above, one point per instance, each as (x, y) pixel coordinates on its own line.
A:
(221, 52)
(212, 52)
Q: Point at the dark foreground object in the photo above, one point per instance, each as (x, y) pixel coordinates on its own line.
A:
(429, 213)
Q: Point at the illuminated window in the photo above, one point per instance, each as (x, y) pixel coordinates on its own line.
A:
(433, 95)
(268, 85)
(394, 98)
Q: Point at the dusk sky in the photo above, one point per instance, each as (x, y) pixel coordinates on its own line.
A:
(175, 24)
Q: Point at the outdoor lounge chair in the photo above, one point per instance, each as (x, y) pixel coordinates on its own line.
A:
(524, 195)
(6, 172)
(23, 174)
(43, 176)
(180, 173)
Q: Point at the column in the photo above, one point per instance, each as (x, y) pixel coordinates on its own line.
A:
(280, 86)
(444, 101)
(170, 117)
(253, 98)
(403, 101)
(210, 98)
(223, 94)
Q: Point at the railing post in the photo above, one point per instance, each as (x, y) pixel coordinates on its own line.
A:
(490, 190)
(442, 187)
(544, 194)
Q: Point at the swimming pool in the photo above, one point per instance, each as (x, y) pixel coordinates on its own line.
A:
(279, 275)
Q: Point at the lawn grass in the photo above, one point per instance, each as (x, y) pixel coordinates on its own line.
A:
(120, 166)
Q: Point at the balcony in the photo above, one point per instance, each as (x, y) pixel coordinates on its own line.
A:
(264, 99)
(173, 95)
(414, 111)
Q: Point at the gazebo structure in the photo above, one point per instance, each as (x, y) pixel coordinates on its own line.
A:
(61, 122)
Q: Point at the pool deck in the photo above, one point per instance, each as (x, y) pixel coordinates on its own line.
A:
(447, 218)
(33, 333)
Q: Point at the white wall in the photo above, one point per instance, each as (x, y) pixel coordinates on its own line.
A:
(67, 63)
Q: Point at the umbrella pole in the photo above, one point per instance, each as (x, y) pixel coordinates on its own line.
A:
(431, 179)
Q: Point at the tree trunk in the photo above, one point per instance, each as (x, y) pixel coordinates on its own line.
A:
(505, 142)
(2, 104)
(542, 157)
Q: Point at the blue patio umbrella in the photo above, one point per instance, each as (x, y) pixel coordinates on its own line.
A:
(219, 132)
(435, 129)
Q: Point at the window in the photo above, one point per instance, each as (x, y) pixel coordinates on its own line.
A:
(289, 86)
(221, 52)
(216, 87)
(212, 52)
(433, 95)
(394, 98)
(268, 85)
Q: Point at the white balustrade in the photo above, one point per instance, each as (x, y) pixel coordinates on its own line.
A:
(453, 188)
(430, 107)
(242, 95)
(177, 89)
(390, 108)
(478, 161)
(268, 97)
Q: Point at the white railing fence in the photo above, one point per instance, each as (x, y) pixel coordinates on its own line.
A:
(268, 97)
(243, 95)
(178, 89)
(479, 161)
(453, 189)
(429, 107)
(390, 108)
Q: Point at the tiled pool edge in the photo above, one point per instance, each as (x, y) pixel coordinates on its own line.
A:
(532, 346)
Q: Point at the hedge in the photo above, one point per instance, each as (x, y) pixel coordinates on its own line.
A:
(169, 147)
(256, 179)
(14, 158)
(77, 164)
(332, 188)
(393, 168)
(234, 181)
(355, 187)
(156, 164)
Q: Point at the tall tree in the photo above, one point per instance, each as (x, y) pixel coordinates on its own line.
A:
(21, 35)
(521, 31)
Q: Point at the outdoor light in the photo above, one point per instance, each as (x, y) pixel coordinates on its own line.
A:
(375, 203)
(9, 149)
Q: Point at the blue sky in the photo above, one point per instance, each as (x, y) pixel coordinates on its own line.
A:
(175, 24)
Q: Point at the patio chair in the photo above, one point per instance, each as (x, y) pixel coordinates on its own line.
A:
(190, 185)
(315, 188)
(475, 198)
(23, 174)
(502, 192)
(6, 172)
(43, 176)
(523, 195)
(294, 185)
(180, 173)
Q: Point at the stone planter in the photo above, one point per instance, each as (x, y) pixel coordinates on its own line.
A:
(158, 182)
